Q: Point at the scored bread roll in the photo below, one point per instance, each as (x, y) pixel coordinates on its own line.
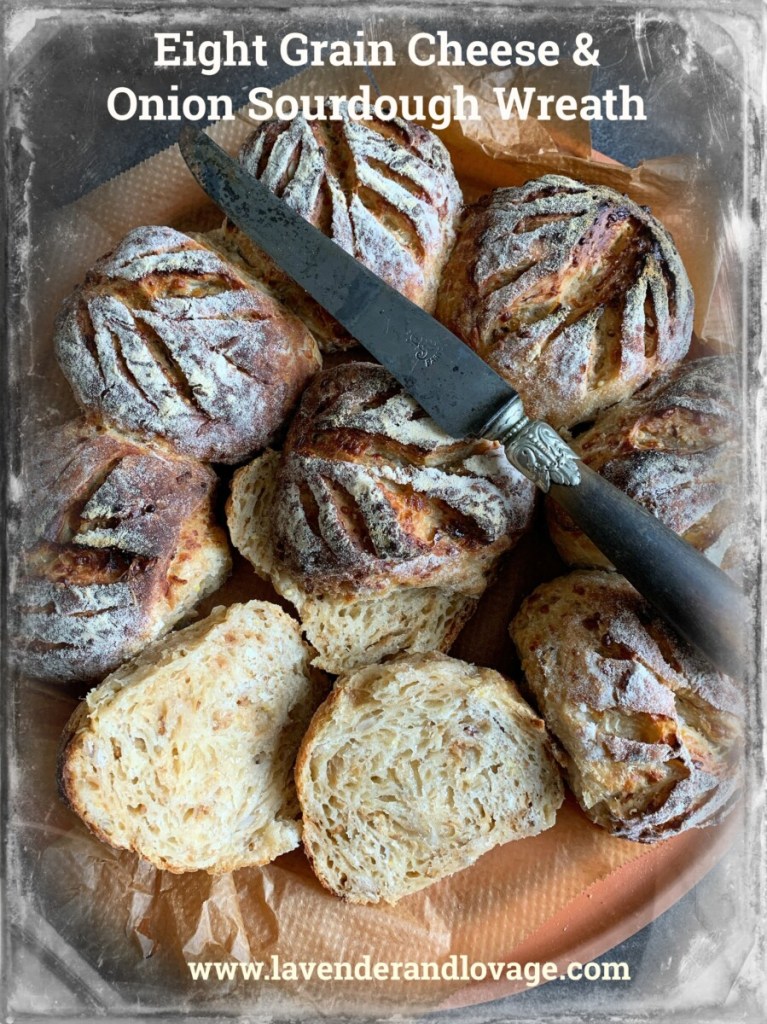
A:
(167, 340)
(384, 191)
(185, 755)
(348, 629)
(672, 447)
(121, 544)
(381, 529)
(572, 292)
(648, 733)
(412, 770)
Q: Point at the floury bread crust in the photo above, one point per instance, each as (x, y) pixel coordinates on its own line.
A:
(649, 735)
(121, 544)
(674, 448)
(413, 769)
(185, 755)
(384, 191)
(165, 339)
(373, 494)
(345, 629)
(572, 292)
(380, 529)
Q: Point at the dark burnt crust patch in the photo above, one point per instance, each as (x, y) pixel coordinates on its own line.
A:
(372, 493)
(572, 292)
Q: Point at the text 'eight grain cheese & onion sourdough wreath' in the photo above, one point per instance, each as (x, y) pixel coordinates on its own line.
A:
(380, 529)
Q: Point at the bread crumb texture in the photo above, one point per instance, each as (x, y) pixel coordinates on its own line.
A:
(649, 734)
(382, 530)
(185, 755)
(345, 630)
(412, 769)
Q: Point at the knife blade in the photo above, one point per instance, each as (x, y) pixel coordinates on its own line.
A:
(466, 397)
(460, 391)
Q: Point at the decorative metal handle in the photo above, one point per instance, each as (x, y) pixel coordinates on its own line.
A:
(533, 447)
(690, 592)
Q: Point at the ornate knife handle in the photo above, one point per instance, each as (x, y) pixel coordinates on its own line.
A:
(688, 590)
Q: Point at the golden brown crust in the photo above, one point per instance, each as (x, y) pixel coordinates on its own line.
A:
(372, 494)
(650, 735)
(121, 542)
(383, 190)
(572, 292)
(167, 340)
(673, 447)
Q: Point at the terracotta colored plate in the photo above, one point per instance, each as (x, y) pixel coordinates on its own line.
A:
(613, 909)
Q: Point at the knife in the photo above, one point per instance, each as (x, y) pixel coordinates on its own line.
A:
(466, 397)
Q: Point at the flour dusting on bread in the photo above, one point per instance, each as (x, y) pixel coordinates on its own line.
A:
(166, 339)
(382, 190)
(571, 291)
(649, 734)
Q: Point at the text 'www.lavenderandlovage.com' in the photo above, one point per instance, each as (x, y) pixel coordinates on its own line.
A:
(457, 967)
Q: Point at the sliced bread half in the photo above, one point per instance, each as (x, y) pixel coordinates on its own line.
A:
(185, 754)
(411, 770)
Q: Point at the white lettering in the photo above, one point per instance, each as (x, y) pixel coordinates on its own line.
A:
(130, 95)
(510, 102)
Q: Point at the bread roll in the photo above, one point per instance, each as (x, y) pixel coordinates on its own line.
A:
(674, 448)
(373, 494)
(650, 734)
(383, 190)
(346, 629)
(572, 292)
(411, 770)
(165, 339)
(381, 529)
(185, 755)
(121, 544)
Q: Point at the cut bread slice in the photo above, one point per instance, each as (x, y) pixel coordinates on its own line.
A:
(185, 754)
(411, 770)
(346, 630)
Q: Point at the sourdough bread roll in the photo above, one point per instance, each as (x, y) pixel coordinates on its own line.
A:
(185, 755)
(379, 528)
(383, 190)
(412, 770)
(165, 339)
(649, 734)
(572, 292)
(673, 447)
(346, 629)
(121, 543)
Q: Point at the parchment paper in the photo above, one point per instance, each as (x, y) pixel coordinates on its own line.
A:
(141, 926)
